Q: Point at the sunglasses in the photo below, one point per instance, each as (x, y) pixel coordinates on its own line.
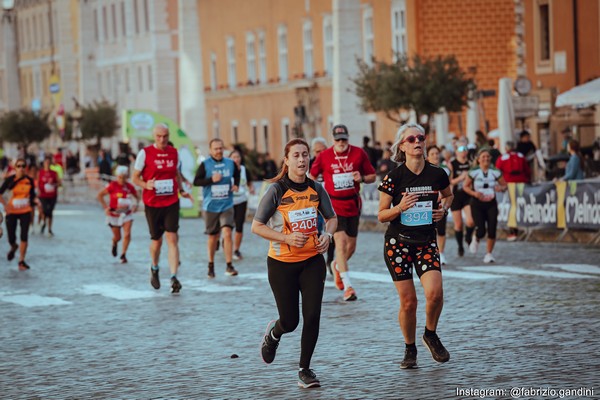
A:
(462, 148)
(412, 139)
(20, 166)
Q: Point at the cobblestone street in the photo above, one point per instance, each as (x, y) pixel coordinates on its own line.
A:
(81, 325)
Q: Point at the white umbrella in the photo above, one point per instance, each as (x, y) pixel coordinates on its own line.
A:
(506, 113)
(441, 127)
(581, 96)
(472, 120)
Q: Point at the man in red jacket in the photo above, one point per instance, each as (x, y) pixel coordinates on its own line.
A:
(514, 168)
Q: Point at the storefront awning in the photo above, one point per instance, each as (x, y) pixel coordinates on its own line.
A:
(580, 96)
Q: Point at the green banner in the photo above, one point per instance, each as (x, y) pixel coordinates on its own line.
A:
(138, 124)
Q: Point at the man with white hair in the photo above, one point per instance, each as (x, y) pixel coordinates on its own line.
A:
(156, 171)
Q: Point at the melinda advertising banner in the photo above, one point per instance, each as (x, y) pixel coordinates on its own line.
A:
(582, 204)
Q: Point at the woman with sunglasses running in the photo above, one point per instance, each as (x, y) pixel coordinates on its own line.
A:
(18, 210)
(460, 169)
(414, 197)
(287, 217)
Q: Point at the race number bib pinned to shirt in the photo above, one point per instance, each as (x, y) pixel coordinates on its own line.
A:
(20, 203)
(304, 220)
(124, 203)
(219, 191)
(164, 187)
(343, 181)
(49, 187)
(419, 214)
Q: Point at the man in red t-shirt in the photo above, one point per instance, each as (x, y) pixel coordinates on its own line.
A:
(344, 167)
(156, 171)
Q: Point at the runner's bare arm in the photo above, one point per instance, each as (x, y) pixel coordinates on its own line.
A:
(446, 200)
(325, 238)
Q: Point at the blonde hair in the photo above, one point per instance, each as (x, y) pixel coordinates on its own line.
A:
(397, 154)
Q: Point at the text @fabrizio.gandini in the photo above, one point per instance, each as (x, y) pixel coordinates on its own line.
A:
(519, 392)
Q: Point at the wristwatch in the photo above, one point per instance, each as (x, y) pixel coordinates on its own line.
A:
(330, 235)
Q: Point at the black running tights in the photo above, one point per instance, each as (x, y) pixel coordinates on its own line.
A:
(11, 227)
(288, 281)
(485, 213)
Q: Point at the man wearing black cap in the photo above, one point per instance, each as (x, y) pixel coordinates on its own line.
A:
(344, 167)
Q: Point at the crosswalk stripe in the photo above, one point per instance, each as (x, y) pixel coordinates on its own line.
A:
(581, 268)
(116, 292)
(522, 271)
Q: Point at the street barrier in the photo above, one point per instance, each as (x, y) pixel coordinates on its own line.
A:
(554, 205)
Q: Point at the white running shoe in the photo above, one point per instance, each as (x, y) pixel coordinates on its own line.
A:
(442, 259)
(474, 246)
(489, 258)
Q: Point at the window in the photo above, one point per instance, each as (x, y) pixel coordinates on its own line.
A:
(150, 80)
(146, 16)
(283, 53)
(213, 71)
(35, 32)
(254, 135)
(140, 79)
(251, 57)
(109, 84)
(127, 85)
(544, 32)
(96, 23)
(285, 131)
(234, 132)
(265, 129)
(368, 37)
(123, 19)
(328, 44)
(399, 28)
(136, 17)
(113, 9)
(307, 41)
(231, 77)
(262, 58)
(105, 23)
(100, 87)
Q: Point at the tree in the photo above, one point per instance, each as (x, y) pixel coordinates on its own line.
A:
(424, 85)
(24, 127)
(99, 120)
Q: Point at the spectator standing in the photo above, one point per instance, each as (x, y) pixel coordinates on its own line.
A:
(575, 166)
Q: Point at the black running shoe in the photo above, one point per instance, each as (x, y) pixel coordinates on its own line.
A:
(11, 253)
(231, 271)
(154, 281)
(308, 379)
(268, 346)
(175, 285)
(211, 271)
(50, 232)
(114, 250)
(23, 266)
(437, 349)
(410, 359)
(123, 259)
(461, 251)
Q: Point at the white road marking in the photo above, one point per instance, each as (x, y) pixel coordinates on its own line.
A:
(33, 300)
(213, 286)
(523, 271)
(581, 268)
(117, 292)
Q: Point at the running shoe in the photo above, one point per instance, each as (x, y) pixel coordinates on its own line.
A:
(237, 256)
(43, 228)
(231, 271)
(154, 281)
(474, 246)
(23, 266)
(114, 250)
(11, 253)
(175, 285)
(461, 251)
(123, 259)
(50, 232)
(442, 259)
(410, 359)
(511, 238)
(437, 349)
(211, 271)
(308, 379)
(268, 346)
(336, 276)
(489, 258)
(349, 294)
(329, 268)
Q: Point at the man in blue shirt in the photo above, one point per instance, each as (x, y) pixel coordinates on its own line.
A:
(219, 178)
